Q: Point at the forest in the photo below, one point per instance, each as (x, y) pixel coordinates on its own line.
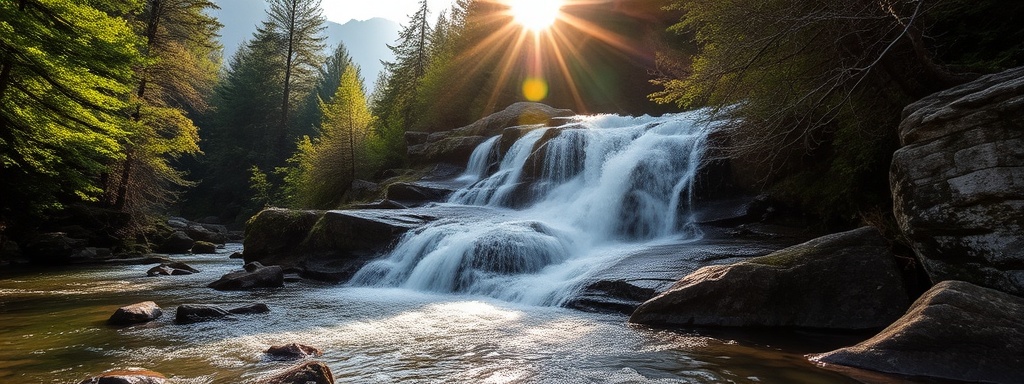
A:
(124, 110)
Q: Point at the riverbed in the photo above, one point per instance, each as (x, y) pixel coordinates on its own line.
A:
(52, 330)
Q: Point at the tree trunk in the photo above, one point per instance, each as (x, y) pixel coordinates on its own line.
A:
(279, 142)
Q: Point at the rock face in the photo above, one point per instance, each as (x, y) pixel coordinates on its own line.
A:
(127, 376)
(313, 372)
(455, 146)
(413, 193)
(956, 330)
(293, 351)
(254, 276)
(958, 182)
(842, 281)
(329, 245)
(136, 313)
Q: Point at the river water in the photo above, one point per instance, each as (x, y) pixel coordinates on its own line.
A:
(455, 301)
(52, 330)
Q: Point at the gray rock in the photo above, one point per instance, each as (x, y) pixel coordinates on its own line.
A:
(171, 268)
(455, 150)
(178, 242)
(251, 309)
(127, 376)
(202, 232)
(412, 193)
(196, 313)
(958, 182)
(204, 247)
(313, 372)
(956, 331)
(254, 276)
(845, 281)
(293, 351)
(136, 313)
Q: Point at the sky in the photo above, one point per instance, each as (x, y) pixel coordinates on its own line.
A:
(341, 11)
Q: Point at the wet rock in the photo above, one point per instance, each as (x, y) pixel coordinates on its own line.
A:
(204, 247)
(313, 372)
(293, 351)
(843, 281)
(127, 376)
(956, 331)
(416, 193)
(136, 313)
(177, 242)
(203, 232)
(518, 114)
(196, 313)
(958, 182)
(274, 235)
(237, 255)
(454, 150)
(53, 247)
(381, 204)
(171, 268)
(254, 276)
(251, 309)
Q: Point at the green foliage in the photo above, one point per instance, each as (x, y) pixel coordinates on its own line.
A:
(816, 88)
(326, 166)
(66, 70)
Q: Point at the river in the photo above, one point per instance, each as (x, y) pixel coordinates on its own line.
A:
(52, 330)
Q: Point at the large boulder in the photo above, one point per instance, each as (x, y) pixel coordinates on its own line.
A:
(313, 372)
(127, 376)
(846, 281)
(416, 193)
(136, 313)
(518, 114)
(956, 330)
(204, 248)
(255, 275)
(455, 150)
(171, 268)
(177, 242)
(958, 182)
(329, 245)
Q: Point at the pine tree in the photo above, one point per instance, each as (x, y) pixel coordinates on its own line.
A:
(327, 165)
(298, 26)
(180, 43)
(65, 76)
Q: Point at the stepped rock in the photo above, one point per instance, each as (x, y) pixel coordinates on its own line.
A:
(958, 182)
(842, 281)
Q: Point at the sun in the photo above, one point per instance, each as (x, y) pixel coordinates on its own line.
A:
(535, 15)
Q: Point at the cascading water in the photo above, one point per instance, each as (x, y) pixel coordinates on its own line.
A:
(571, 197)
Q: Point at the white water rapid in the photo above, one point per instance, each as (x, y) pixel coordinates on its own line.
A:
(571, 199)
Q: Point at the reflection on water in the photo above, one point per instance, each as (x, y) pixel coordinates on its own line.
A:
(52, 331)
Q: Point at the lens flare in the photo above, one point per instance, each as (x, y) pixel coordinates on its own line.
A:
(535, 89)
(535, 15)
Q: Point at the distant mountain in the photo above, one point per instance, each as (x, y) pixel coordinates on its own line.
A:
(366, 40)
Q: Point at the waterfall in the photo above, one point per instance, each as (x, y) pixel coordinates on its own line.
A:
(572, 193)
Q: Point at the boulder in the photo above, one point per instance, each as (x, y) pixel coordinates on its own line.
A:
(254, 276)
(845, 281)
(127, 376)
(293, 351)
(412, 193)
(171, 268)
(958, 182)
(522, 113)
(333, 245)
(203, 232)
(53, 247)
(237, 255)
(956, 331)
(204, 247)
(136, 313)
(251, 309)
(313, 372)
(196, 313)
(178, 242)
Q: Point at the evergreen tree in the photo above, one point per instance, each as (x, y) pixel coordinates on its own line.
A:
(65, 78)
(180, 43)
(328, 79)
(298, 26)
(327, 165)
